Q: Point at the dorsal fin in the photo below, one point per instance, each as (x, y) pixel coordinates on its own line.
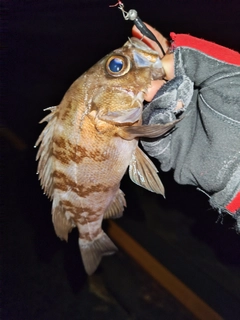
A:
(44, 154)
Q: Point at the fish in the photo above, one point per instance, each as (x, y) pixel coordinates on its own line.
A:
(91, 139)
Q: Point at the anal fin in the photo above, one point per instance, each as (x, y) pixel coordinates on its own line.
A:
(144, 173)
(116, 207)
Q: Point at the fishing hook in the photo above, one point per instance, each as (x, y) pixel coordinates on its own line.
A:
(133, 16)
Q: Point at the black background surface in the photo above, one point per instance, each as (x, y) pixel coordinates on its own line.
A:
(46, 46)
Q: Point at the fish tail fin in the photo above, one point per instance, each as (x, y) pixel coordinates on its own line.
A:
(93, 251)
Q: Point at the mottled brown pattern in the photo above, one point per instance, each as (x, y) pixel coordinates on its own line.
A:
(76, 153)
(85, 191)
(92, 217)
(62, 182)
(84, 153)
(67, 203)
(61, 186)
(78, 210)
(61, 155)
(79, 153)
(66, 113)
(60, 142)
(90, 236)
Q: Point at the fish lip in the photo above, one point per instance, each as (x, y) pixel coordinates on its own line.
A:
(141, 44)
(145, 40)
(140, 95)
(157, 70)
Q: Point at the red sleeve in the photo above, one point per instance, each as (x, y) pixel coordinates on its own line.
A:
(234, 205)
(212, 49)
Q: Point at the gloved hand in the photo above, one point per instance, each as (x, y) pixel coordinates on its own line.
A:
(162, 109)
(204, 150)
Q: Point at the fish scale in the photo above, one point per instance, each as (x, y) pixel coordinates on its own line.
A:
(91, 139)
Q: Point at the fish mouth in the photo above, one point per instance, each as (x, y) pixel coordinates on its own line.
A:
(148, 43)
(144, 56)
(141, 43)
(140, 95)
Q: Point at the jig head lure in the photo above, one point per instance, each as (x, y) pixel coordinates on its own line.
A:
(133, 16)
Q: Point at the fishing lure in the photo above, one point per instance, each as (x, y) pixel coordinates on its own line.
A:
(133, 16)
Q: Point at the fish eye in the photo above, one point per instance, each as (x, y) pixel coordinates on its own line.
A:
(117, 65)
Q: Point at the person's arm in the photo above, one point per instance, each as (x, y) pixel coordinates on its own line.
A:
(204, 150)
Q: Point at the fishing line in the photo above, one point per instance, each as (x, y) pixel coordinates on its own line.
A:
(133, 16)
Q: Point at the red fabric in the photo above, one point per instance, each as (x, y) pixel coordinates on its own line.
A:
(234, 205)
(212, 49)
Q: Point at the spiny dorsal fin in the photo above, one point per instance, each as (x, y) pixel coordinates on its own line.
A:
(45, 151)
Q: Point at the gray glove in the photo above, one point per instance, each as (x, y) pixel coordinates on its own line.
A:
(204, 150)
(162, 110)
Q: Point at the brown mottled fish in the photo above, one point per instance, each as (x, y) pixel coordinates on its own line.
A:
(90, 140)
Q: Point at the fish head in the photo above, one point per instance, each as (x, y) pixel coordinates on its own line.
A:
(136, 63)
(120, 80)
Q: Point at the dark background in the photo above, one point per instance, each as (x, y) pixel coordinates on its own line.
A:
(46, 45)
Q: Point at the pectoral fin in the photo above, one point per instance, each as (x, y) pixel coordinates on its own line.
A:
(122, 116)
(144, 173)
(115, 209)
(147, 131)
